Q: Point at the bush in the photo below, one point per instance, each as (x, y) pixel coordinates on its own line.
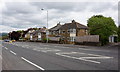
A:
(45, 40)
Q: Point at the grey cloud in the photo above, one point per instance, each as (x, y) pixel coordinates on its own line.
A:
(23, 14)
(19, 7)
(101, 7)
(61, 6)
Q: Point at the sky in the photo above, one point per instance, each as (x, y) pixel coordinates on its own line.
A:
(21, 15)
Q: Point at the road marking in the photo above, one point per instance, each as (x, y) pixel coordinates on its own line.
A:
(92, 56)
(92, 49)
(56, 46)
(61, 47)
(64, 47)
(52, 50)
(6, 48)
(46, 49)
(0, 57)
(45, 45)
(13, 52)
(23, 46)
(35, 49)
(27, 47)
(32, 63)
(78, 58)
(105, 57)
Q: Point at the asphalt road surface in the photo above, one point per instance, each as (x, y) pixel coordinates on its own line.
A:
(43, 56)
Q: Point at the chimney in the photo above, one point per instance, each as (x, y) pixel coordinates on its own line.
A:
(73, 21)
(58, 23)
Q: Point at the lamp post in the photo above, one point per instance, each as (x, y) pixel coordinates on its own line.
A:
(47, 25)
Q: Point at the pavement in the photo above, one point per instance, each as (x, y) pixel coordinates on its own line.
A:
(0, 55)
(44, 56)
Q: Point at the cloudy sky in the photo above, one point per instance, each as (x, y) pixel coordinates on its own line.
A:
(23, 15)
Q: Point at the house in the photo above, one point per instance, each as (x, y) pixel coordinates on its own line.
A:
(66, 33)
(27, 33)
(54, 31)
(69, 31)
(113, 38)
(38, 35)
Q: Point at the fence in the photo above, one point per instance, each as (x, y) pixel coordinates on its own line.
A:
(54, 38)
(87, 38)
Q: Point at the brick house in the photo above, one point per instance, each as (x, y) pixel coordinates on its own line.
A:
(38, 35)
(69, 31)
(54, 31)
(27, 33)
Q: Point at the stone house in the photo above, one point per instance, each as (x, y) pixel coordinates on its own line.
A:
(27, 33)
(69, 31)
(54, 31)
(38, 35)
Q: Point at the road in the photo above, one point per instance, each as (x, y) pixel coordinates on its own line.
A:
(43, 56)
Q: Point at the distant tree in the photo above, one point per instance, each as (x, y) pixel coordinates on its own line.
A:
(20, 31)
(118, 33)
(15, 35)
(35, 28)
(102, 26)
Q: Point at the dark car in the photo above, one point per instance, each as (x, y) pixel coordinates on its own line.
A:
(6, 40)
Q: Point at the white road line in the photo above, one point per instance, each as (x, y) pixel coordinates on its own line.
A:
(0, 57)
(45, 45)
(79, 53)
(79, 58)
(64, 47)
(6, 48)
(84, 58)
(13, 52)
(32, 63)
(105, 57)
(23, 46)
(89, 60)
(56, 46)
(27, 47)
(52, 50)
(92, 49)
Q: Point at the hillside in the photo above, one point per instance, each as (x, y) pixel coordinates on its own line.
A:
(3, 34)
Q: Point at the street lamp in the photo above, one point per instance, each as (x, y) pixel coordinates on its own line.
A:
(47, 25)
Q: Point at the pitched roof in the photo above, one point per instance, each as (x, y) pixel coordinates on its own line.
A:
(42, 30)
(73, 25)
(37, 31)
(56, 27)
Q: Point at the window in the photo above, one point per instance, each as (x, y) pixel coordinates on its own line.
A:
(86, 31)
(39, 34)
(68, 31)
(71, 30)
(74, 30)
(63, 31)
(59, 31)
(72, 39)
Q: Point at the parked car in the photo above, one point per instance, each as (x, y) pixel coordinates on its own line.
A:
(6, 40)
(13, 40)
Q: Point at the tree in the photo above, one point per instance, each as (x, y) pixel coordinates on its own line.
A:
(118, 33)
(102, 26)
(15, 35)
